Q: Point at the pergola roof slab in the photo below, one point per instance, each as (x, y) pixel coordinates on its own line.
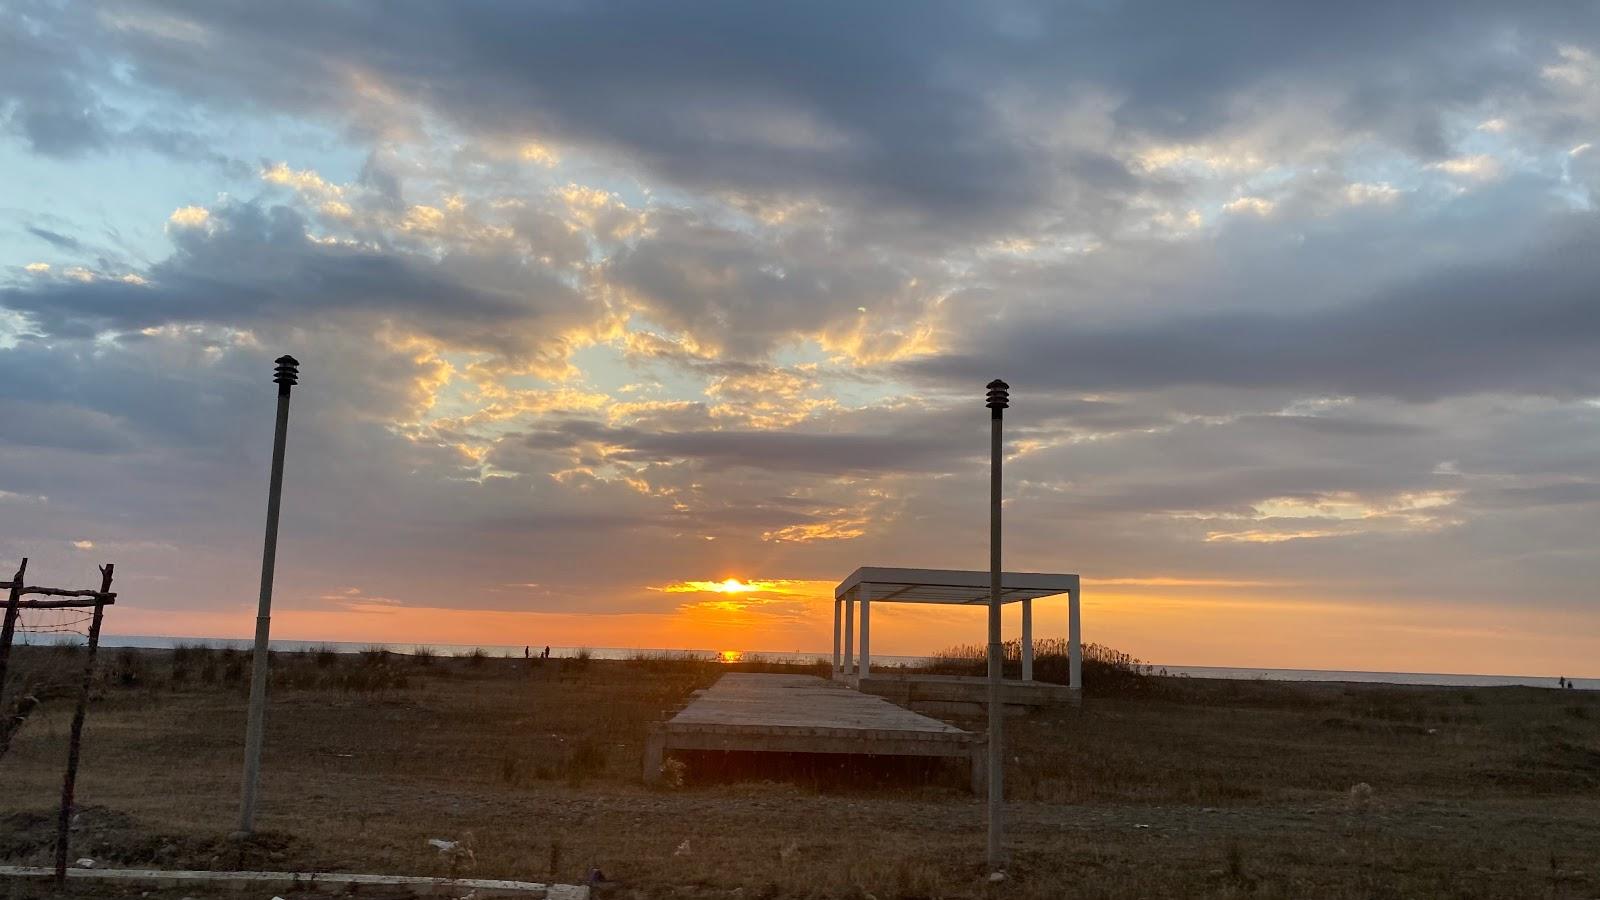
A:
(953, 586)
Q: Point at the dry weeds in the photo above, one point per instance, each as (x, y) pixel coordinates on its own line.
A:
(1187, 788)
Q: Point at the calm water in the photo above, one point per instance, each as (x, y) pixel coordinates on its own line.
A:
(1433, 678)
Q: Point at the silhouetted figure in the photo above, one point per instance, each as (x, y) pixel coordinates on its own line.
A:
(527, 652)
(546, 652)
(1562, 681)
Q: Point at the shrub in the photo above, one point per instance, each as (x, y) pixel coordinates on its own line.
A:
(588, 759)
(234, 668)
(1106, 670)
(130, 668)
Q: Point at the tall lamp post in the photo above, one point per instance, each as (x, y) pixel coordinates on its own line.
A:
(286, 376)
(998, 400)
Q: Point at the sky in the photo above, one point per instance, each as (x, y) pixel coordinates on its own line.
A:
(599, 305)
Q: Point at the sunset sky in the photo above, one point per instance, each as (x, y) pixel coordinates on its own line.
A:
(599, 305)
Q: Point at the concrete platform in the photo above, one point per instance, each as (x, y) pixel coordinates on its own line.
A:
(964, 695)
(759, 713)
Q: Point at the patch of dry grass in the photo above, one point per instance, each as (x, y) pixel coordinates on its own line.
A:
(1194, 788)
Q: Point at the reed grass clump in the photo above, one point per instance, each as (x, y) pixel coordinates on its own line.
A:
(1107, 671)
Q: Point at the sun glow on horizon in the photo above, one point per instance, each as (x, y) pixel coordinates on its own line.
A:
(735, 586)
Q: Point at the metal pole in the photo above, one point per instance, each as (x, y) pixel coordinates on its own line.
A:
(997, 402)
(69, 783)
(287, 375)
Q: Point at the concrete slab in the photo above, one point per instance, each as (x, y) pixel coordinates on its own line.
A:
(753, 712)
(964, 695)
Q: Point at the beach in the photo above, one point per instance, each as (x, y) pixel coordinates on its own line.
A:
(1167, 787)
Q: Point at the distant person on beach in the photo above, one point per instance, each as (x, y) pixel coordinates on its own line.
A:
(546, 652)
(1561, 681)
(527, 652)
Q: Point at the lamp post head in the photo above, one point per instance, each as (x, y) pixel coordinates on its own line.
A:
(999, 397)
(287, 374)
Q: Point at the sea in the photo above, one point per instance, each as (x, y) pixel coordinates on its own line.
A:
(1230, 672)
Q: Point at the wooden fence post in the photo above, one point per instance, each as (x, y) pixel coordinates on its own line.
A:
(9, 629)
(75, 742)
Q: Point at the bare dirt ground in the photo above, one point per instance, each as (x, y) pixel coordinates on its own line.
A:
(1170, 788)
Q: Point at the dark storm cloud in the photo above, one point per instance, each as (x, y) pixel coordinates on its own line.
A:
(44, 96)
(744, 294)
(248, 264)
(1530, 324)
(934, 109)
(781, 451)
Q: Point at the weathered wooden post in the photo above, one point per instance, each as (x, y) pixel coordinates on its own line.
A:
(997, 402)
(75, 739)
(286, 376)
(8, 630)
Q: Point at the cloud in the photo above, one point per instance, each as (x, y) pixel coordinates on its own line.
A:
(244, 265)
(938, 115)
(59, 241)
(791, 451)
(1522, 324)
(1279, 288)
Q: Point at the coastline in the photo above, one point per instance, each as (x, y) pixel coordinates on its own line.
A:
(1230, 673)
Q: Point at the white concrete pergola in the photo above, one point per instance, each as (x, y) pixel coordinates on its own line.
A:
(952, 586)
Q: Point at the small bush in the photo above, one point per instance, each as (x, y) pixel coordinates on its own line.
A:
(130, 668)
(370, 680)
(235, 669)
(578, 661)
(588, 758)
(423, 656)
(325, 657)
(477, 657)
(185, 655)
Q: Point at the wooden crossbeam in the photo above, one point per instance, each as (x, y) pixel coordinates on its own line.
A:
(102, 596)
(69, 604)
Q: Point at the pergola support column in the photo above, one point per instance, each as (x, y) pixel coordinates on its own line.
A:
(1027, 640)
(1075, 640)
(849, 638)
(838, 613)
(866, 632)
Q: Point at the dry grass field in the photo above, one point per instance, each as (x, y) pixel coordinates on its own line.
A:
(1156, 787)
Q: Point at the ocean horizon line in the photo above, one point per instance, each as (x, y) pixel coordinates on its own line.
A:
(1268, 673)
